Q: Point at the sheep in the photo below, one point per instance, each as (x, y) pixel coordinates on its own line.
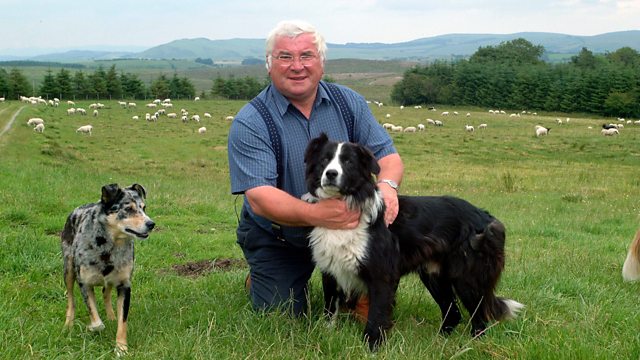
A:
(172, 115)
(482, 126)
(195, 118)
(81, 111)
(444, 113)
(420, 127)
(135, 117)
(540, 131)
(151, 105)
(469, 128)
(184, 119)
(438, 123)
(387, 116)
(71, 103)
(387, 126)
(395, 128)
(197, 98)
(609, 126)
(86, 129)
(610, 132)
(95, 113)
(207, 115)
(35, 121)
(229, 118)
(131, 104)
(431, 122)
(71, 111)
(2, 99)
(410, 129)
(39, 128)
(202, 130)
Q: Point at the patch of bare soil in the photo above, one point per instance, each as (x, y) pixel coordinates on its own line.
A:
(204, 267)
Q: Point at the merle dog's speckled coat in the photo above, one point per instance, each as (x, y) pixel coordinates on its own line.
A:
(98, 250)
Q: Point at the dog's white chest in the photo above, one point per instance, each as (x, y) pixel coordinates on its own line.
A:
(340, 253)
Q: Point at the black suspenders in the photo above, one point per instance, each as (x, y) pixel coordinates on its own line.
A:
(274, 135)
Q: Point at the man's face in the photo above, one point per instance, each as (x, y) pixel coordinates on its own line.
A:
(296, 68)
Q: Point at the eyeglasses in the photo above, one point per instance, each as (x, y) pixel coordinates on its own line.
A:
(288, 59)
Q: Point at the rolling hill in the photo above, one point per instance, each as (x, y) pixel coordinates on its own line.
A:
(560, 46)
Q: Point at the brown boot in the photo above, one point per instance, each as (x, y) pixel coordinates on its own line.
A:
(361, 310)
(247, 283)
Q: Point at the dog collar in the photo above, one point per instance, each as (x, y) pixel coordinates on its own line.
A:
(391, 183)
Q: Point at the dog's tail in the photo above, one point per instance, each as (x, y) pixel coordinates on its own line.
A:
(631, 267)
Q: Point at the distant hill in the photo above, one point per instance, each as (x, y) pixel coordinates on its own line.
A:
(557, 46)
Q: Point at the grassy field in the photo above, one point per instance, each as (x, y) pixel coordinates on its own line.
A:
(569, 202)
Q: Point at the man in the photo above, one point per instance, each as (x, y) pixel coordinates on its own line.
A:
(296, 107)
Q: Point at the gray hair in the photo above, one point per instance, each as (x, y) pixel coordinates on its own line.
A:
(293, 28)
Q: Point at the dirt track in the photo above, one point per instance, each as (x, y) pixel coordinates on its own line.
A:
(10, 123)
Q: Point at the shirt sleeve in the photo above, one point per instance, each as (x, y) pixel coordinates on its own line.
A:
(252, 160)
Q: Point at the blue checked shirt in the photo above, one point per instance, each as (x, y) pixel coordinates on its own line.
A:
(252, 160)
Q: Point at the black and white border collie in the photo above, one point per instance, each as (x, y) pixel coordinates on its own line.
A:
(456, 248)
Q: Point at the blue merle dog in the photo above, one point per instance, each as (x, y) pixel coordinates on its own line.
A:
(97, 247)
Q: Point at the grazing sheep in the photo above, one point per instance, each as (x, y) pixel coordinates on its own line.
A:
(35, 121)
(207, 115)
(410, 129)
(135, 117)
(431, 122)
(469, 128)
(438, 123)
(396, 128)
(420, 127)
(71, 111)
(2, 99)
(229, 118)
(197, 98)
(95, 113)
(39, 128)
(131, 104)
(387, 126)
(482, 126)
(444, 113)
(202, 130)
(69, 102)
(195, 118)
(609, 126)
(540, 131)
(172, 115)
(387, 116)
(610, 132)
(185, 119)
(81, 111)
(86, 129)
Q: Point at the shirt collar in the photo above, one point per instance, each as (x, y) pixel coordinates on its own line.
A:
(282, 103)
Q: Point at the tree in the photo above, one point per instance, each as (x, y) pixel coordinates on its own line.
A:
(160, 88)
(584, 60)
(625, 56)
(80, 86)
(132, 86)
(4, 83)
(515, 52)
(98, 83)
(49, 88)
(113, 84)
(18, 85)
(63, 79)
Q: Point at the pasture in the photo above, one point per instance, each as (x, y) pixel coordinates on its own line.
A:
(569, 200)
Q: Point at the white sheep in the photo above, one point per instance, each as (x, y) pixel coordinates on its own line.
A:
(207, 115)
(438, 123)
(202, 130)
(469, 128)
(541, 131)
(95, 113)
(410, 129)
(610, 132)
(172, 115)
(482, 126)
(444, 113)
(39, 128)
(135, 117)
(420, 127)
(195, 118)
(131, 104)
(229, 118)
(387, 126)
(71, 111)
(431, 122)
(395, 128)
(35, 121)
(197, 98)
(86, 129)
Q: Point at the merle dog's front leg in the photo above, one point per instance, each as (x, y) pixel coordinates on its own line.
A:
(381, 302)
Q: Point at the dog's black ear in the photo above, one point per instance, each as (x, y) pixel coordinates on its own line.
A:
(110, 193)
(139, 189)
(314, 145)
(368, 160)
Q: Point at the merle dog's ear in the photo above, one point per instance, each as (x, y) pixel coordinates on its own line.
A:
(368, 160)
(314, 145)
(110, 193)
(139, 189)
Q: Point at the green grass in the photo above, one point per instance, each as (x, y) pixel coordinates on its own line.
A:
(569, 201)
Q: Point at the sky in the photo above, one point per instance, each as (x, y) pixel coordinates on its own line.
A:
(140, 24)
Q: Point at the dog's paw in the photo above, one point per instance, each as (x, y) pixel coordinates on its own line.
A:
(309, 198)
(95, 327)
(121, 350)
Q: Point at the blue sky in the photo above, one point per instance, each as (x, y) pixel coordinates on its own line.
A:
(64, 24)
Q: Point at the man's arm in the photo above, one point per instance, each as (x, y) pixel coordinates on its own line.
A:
(282, 208)
(391, 168)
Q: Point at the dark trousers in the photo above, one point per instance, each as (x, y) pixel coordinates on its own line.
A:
(279, 270)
